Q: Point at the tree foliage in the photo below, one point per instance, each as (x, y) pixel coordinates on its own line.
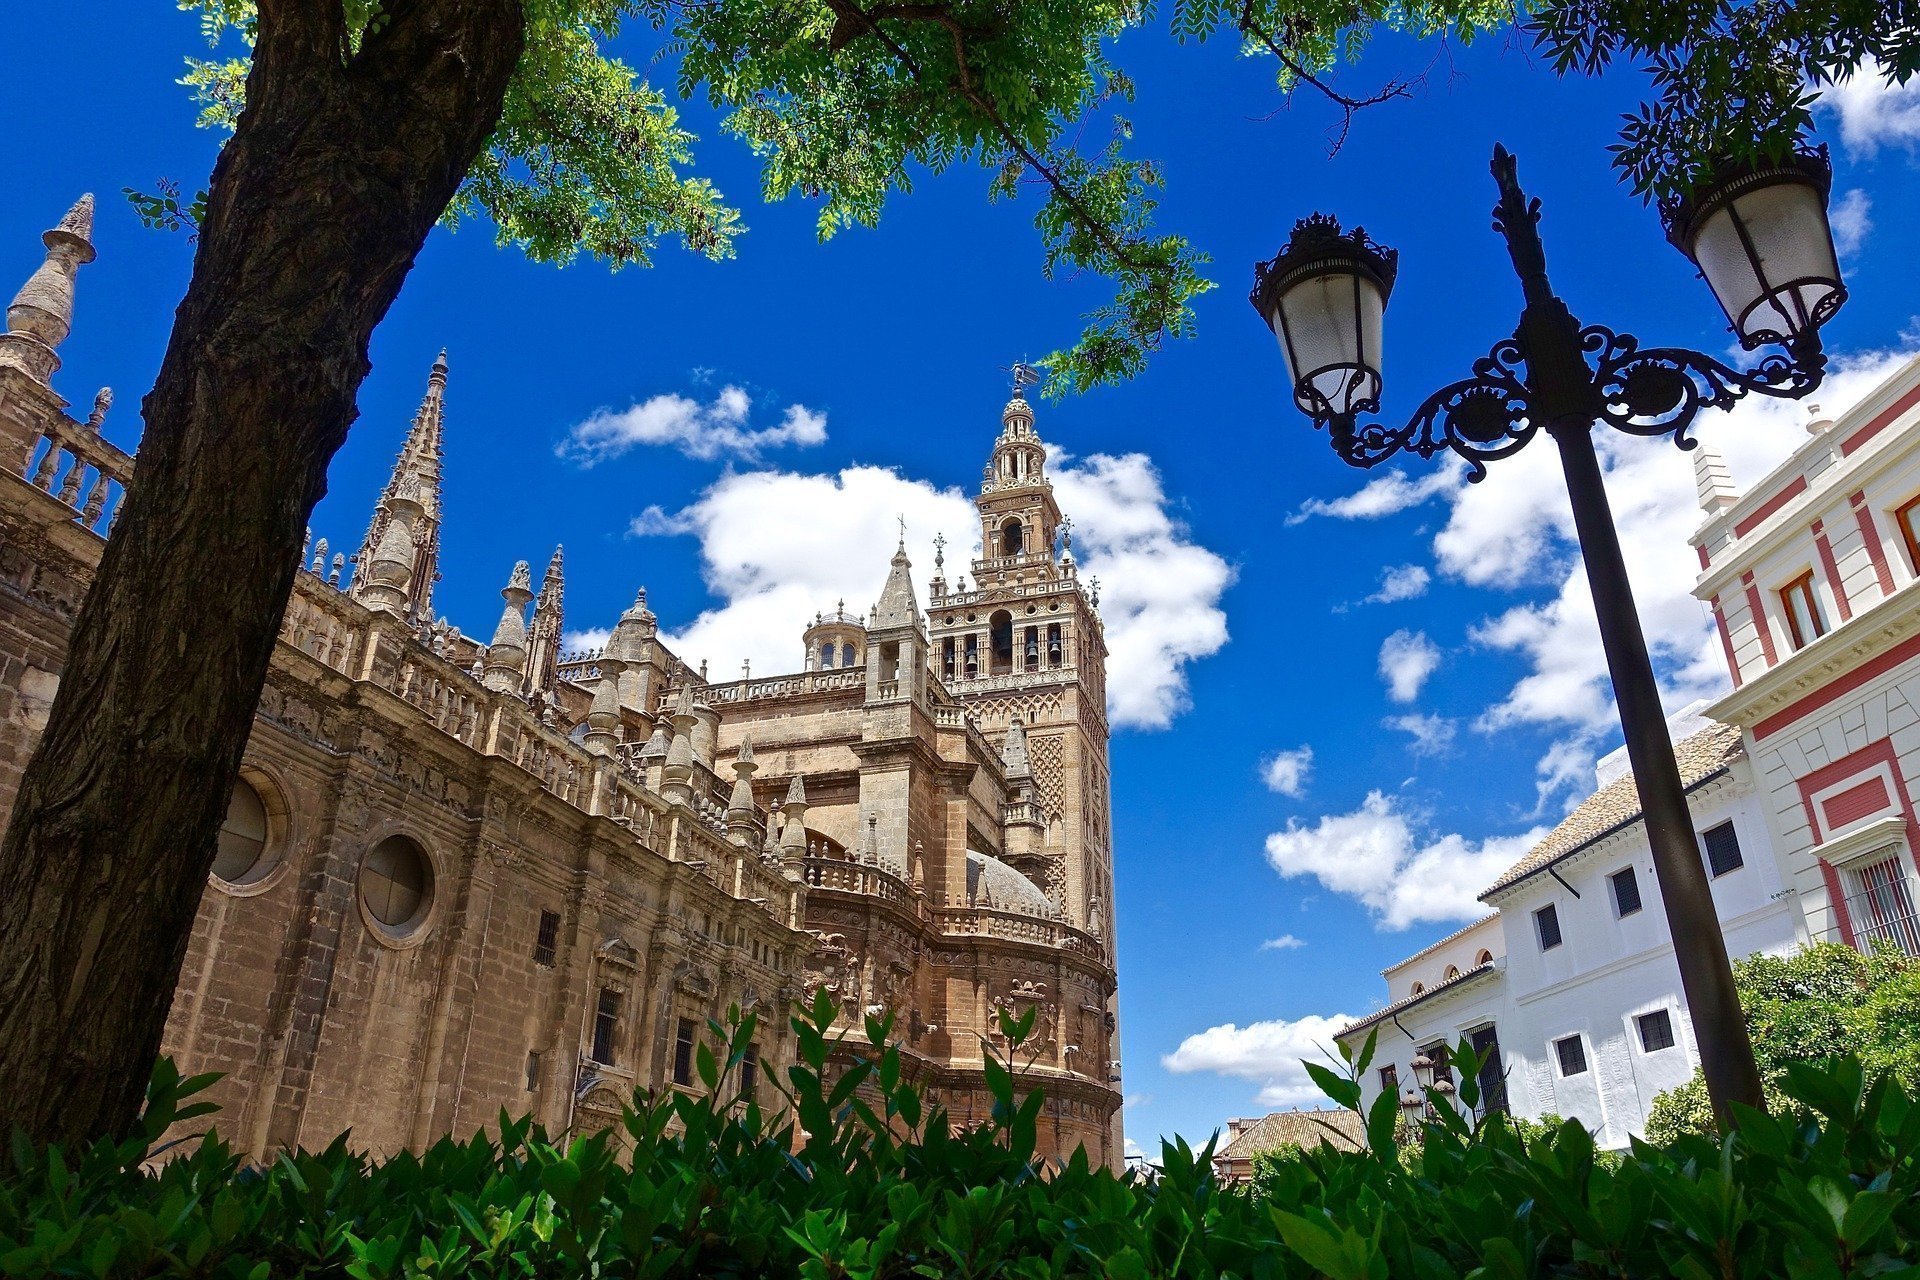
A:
(847, 101)
(1805, 1006)
(1732, 78)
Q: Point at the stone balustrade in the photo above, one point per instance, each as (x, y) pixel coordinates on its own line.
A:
(72, 463)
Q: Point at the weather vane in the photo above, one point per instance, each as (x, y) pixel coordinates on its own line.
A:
(1024, 375)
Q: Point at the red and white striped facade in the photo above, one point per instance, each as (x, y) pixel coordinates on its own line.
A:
(1811, 577)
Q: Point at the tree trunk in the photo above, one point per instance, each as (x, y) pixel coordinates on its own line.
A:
(319, 203)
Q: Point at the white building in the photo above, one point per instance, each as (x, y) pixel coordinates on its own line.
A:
(1797, 782)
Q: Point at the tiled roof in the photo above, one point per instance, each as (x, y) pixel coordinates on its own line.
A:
(1439, 988)
(1343, 1129)
(1432, 947)
(1702, 756)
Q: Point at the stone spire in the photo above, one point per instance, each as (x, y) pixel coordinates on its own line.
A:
(543, 649)
(507, 655)
(1713, 481)
(677, 778)
(603, 718)
(897, 606)
(1013, 753)
(793, 840)
(740, 802)
(41, 314)
(416, 474)
(633, 635)
(385, 578)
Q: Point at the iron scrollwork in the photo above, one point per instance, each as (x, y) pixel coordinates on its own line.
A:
(1481, 418)
(1653, 391)
(1658, 390)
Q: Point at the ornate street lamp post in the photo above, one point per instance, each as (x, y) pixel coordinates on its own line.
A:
(1760, 237)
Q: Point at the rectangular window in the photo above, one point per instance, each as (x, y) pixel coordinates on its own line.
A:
(606, 1025)
(1723, 849)
(683, 1052)
(1572, 1055)
(1908, 518)
(750, 1071)
(1546, 922)
(1802, 607)
(533, 1072)
(547, 940)
(1656, 1031)
(1390, 1078)
(1626, 892)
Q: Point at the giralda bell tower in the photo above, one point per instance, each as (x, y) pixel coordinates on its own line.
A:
(1023, 641)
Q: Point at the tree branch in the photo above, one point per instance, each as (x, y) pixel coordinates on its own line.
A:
(1348, 104)
(851, 20)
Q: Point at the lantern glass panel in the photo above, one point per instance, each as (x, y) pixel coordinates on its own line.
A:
(1768, 256)
(1330, 327)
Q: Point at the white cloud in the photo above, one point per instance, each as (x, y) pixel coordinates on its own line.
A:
(718, 428)
(1160, 591)
(1516, 528)
(1285, 942)
(1385, 494)
(1873, 111)
(1852, 219)
(1373, 854)
(776, 547)
(1432, 734)
(1287, 771)
(586, 638)
(1407, 658)
(1566, 768)
(1401, 582)
(1269, 1054)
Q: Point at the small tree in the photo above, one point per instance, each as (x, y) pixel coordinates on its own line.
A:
(1814, 1003)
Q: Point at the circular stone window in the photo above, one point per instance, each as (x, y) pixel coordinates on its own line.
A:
(242, 854)
(396, 884)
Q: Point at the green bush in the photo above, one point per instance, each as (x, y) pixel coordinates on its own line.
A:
(867, 1180)
(1804, 1006)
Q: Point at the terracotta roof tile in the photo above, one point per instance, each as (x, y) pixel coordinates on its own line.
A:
(1701, 756)
(1342, 1129)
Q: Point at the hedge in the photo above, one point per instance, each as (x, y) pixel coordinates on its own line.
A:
(857, 1176)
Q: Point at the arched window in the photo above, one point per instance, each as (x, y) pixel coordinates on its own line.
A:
(1000, 642)
(846, 655)
(1418, 987)
(396, 883)
(243, 837)
(826, 656)
(1485, 957)
(1453, 971)
(1013, 537)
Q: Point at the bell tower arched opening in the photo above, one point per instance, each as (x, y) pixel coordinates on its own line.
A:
(1000, 643)
(1013, 537)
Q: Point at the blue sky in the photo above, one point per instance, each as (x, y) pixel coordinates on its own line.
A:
(1354, 697)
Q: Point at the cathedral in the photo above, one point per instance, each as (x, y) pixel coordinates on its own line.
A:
(464, 874)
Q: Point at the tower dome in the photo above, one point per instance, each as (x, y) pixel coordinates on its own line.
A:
(835, 641)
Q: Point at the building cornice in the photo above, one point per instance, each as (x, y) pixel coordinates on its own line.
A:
(1888, 400)
(1800, 675)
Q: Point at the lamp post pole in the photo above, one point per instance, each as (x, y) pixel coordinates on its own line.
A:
(1769, 257)
(1563, 394)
